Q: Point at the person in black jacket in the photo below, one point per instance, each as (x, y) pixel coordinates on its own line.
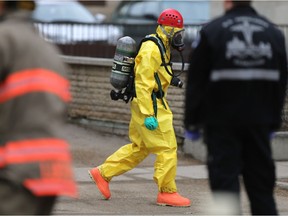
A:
(235, 93)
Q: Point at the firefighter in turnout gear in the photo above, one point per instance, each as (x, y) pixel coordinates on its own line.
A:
(151, 127)
(35, 163)
(235, 93)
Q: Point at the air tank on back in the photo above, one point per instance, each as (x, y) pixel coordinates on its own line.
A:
(123, 63)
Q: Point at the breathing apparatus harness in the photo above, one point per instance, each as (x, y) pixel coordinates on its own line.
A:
(129, 92)
(169, 17)
(175, 81)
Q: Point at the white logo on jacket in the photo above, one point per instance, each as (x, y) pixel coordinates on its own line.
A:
(246, 52)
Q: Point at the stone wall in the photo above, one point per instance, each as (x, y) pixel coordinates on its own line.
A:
(92, 106)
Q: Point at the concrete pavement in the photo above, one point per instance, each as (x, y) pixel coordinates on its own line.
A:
(183, 172)
(134, 192)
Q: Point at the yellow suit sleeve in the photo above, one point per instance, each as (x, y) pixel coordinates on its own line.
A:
(147, 63)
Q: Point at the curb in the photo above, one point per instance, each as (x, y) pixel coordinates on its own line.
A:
(282, 185)
(197, 149)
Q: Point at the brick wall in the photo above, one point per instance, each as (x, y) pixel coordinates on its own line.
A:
(92, 106)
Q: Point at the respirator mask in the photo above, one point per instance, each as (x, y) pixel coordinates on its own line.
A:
(177, 41)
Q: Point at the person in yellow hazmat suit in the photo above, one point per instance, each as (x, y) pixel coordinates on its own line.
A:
(151, 126)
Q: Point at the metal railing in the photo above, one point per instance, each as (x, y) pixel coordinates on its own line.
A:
(99, 40)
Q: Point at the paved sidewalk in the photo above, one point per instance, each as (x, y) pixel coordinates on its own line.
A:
(134, 192)
(183, 172)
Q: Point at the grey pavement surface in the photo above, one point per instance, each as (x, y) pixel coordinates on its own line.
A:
(134, 193)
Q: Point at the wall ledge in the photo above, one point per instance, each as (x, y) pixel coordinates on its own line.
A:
(87, 60)
(197, 149)
(106, 62)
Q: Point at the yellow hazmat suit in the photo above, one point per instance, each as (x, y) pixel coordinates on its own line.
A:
(162, 141)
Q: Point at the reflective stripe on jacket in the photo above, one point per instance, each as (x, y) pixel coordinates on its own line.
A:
(52, 156)
(34, 92)
(34, 80)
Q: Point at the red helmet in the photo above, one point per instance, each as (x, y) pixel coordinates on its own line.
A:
(171, 17)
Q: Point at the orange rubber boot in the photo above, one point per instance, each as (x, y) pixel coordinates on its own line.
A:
(101, 183)
(172, 199)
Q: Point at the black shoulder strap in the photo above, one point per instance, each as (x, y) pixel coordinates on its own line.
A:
(161, 47)
(158, 42)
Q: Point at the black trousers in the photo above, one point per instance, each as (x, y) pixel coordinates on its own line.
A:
(17, 200)
(242, 150)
